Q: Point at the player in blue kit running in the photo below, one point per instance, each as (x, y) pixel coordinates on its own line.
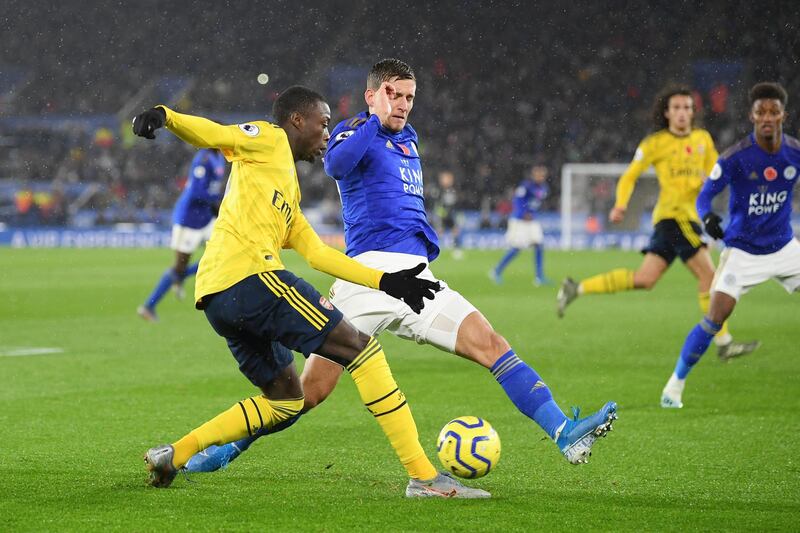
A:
(524, 230)
(375, 161)
(192, 220)
(761, 171)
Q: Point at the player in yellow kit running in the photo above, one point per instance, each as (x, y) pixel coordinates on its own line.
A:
(264, 311)
(682, 156)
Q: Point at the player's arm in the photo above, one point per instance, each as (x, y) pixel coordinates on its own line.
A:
(718, 179)
(711, 156)
(197, 131)
(347, 147)
(641, 160)
(403, 285)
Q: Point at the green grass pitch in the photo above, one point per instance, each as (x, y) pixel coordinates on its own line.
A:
(75, 424)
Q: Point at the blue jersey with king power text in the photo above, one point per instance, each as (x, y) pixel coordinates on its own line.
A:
(202, 192)
(761, 194)
(379, 176)
(528, 198)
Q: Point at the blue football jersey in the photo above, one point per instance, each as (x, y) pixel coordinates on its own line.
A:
(760, 203)
(379, 176)
(202, 192)
(528, 198)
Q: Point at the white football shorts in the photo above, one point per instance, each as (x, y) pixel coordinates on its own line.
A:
(739, 271)
(373, 311)
(187, 240)
(523, 233)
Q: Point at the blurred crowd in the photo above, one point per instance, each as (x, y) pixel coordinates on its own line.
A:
(501, 86)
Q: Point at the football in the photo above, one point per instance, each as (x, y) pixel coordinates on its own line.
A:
(469, 447)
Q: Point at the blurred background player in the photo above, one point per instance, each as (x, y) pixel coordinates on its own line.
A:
(761, 171)
(682, 156)
(523, 230)
(445, 200)
(374, 159)
(192, 220)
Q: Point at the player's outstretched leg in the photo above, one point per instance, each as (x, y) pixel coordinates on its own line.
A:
(694, 347)
(533, 398)
(245, 418)
(215, 457)
(620, 279)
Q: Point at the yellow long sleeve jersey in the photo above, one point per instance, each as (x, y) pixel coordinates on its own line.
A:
(681, 164)
(260, 212)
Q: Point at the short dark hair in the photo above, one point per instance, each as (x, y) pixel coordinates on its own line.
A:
(294, 99)
(388, 69)
(768, 90)
(661, 104)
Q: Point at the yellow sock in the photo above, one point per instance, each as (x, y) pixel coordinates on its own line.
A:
(387, 403)
(724, 336)
(243, 419)
(620, 279)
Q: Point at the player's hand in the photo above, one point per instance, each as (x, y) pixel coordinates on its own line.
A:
(617, 215)
(382, 101)
(713, 225)
(405, 285)
(146, 124)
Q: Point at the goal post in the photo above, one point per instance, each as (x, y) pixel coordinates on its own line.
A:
(587, 194)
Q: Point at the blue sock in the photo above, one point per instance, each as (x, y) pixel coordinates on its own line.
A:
(538, 254)
(191, 270)
(161, 289)
(528, 392)
(695, 346)
(510, 255)
(245, 443)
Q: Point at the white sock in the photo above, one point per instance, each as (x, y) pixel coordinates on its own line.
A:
(723, 340)
(675, 385)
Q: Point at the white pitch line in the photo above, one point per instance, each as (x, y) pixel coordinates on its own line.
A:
(23, 351)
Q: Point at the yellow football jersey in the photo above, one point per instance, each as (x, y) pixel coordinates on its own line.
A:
(260, 212)
(681, 164)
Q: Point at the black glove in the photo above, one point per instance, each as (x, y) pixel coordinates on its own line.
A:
(712, 223)
(145, 124)
(405, 285)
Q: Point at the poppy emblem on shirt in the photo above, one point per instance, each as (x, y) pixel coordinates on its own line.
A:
(688, 149)
(770, 173)
(404, 148)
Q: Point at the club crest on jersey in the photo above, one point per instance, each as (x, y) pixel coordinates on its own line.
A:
(344, 135)
(790, 172)
(251, 130)
(770, 173)
(325, 303)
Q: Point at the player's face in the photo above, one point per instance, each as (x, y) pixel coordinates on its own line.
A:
(679, 113)
(401, 104)
(767, 116)
(539, 174)
(314, 133)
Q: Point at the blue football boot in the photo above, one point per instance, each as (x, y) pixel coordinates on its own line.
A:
(215, 457)
(576, 438)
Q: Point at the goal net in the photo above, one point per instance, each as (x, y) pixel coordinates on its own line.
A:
(588, 191)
